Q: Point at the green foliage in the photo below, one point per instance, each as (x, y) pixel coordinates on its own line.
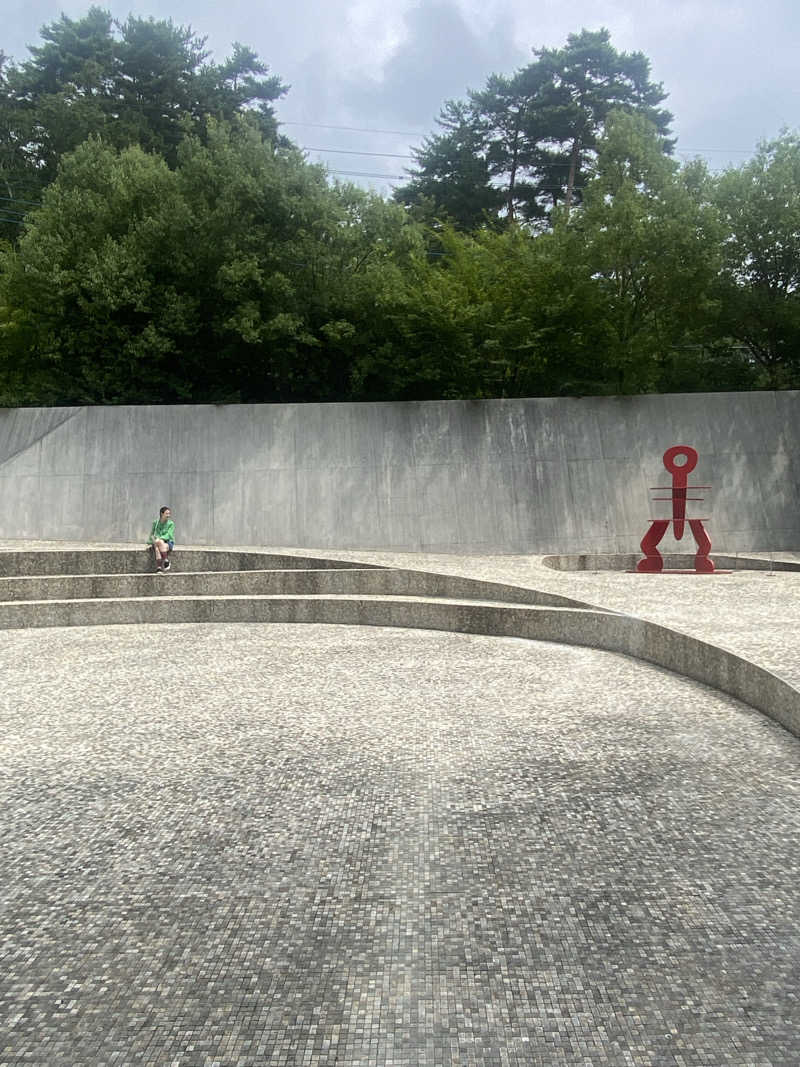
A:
(585, 82)
(454, 181)
(758, 287)
(137, 82)
(490, 314)
(160, 243)
(650, 245)
(528, 139)
(237, 275)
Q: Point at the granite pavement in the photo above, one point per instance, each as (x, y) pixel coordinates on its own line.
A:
(223, 846)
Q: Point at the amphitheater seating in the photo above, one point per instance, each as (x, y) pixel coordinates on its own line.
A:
(115, 587)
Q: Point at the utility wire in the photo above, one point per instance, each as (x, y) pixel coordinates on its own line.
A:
(352, 152)
(19, 200)
(365, 174)
(745, 151)
(353, 129)
(6, 201)
(419, 133)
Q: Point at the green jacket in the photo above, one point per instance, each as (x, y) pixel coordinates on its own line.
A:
(162, 531)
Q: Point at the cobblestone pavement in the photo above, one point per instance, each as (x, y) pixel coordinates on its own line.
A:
(284, 845)
(755, 614)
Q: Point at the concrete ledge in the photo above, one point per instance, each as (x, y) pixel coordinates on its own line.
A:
(139, 561)
(672, 561)
(625, 634)
(352, 579)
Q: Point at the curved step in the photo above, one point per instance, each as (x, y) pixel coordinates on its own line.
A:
(370, 581)
(612, 632)
(140, 561)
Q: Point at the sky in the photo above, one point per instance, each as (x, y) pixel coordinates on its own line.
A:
(368, 77)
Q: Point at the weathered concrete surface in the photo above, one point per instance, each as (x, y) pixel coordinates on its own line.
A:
(247, 846)
(746, 622)
(754, 614)
(549, 475)
(373, 581)
(611, 632)
(95, 561)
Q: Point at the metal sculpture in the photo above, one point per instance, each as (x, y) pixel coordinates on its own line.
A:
(653, 563)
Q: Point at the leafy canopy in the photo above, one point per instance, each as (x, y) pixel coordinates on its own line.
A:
(522, 145)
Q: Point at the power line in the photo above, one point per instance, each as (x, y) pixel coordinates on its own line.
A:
(419, 133)
(552, 165)
(19, 200)
(353, 129)
(353, 152)
(366, 174)
(743, 151)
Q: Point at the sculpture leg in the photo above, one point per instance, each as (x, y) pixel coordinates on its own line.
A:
(702, 564)
(653, 561)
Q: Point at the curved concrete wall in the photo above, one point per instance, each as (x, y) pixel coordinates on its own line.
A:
(551, 475)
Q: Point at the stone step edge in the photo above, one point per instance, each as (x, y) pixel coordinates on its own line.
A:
(449, 586)
(173, 570)
(629, 635)
(356, 597)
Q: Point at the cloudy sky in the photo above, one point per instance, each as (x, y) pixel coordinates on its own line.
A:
(368, 77)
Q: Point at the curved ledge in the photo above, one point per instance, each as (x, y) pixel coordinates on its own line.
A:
(99, 561)
(626, 561)
(611, 632)
(333, 581)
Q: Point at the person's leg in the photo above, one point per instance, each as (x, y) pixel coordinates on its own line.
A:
(160, 549)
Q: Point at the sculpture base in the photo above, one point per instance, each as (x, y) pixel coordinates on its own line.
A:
(688, 571)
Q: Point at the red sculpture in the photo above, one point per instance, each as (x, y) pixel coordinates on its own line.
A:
(654, 561)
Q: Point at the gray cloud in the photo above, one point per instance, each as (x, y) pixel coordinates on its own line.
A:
(441, 56)
(728, 65)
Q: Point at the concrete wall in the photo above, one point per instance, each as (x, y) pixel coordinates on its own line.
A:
(551, 475)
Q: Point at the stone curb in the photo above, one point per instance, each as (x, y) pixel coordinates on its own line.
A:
(672, 561)
(47, 562)
(626, 634)
(334, 581)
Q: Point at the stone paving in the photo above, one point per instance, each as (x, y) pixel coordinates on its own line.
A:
(755, 614)
(240, 845)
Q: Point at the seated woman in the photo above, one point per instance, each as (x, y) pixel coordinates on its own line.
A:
(162, 538)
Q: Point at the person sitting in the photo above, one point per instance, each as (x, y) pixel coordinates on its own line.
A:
(162, 538)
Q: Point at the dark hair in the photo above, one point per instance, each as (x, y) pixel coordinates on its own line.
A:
(162, 510)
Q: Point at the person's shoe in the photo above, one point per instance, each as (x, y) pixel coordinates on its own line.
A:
(165, 565)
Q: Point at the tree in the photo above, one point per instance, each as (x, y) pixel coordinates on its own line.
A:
(586, 82)
(531, 136)
(239, 275)
(18, 188)
(649, 247)
(491, 314)
(759, 290)
(454, 178)
(136, 82)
